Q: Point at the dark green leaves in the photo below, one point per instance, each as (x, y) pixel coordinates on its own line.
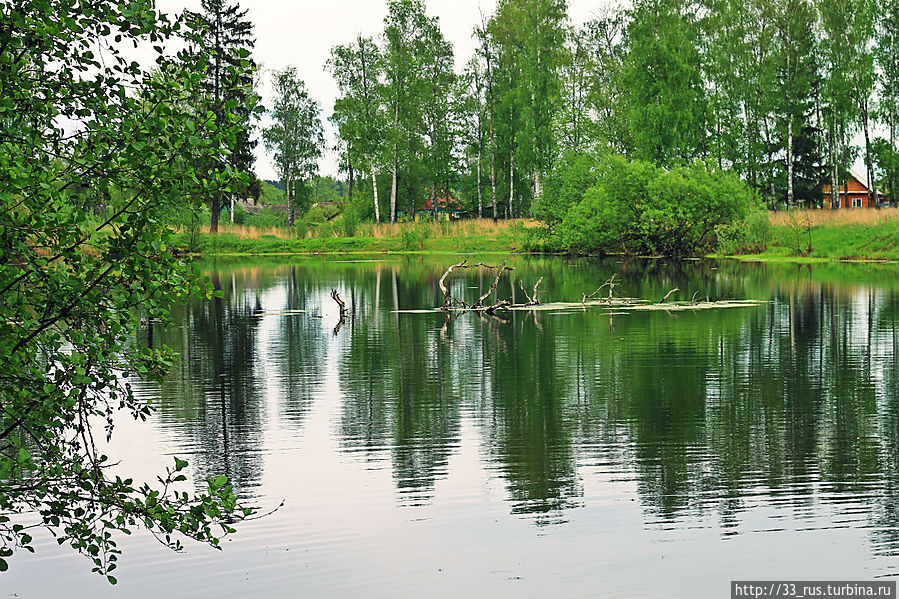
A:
(83, 255)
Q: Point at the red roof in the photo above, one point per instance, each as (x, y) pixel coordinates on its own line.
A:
(445, 203)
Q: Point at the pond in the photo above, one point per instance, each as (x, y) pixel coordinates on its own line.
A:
(568, 451)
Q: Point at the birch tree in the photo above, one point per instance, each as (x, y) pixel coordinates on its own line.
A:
(358, 112)
(295, 138)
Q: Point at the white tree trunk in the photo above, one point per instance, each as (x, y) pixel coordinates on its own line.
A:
(480, 199)
(374, 186)
(789, 162)
(393, 196)
(289, 202)
(511, 179)
(232, 209)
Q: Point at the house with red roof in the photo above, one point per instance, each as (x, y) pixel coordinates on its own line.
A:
(853, 195)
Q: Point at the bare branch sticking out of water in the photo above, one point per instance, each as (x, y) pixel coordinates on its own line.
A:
(667, 295)
(499, 273)
(610, 283)
(342, 305)
(449, 300)
(532, 299)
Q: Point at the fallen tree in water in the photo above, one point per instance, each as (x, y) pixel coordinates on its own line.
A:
(615, 304)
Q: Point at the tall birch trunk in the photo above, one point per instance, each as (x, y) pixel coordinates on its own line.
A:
(834, 181)
(393, 194)
(288, 189)
(374, 186)
(872, 194)
(480, 194)
(511, 179)
(396, 125)
(492, 133)
(789, 162)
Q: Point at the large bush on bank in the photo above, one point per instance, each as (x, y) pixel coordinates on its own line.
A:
(565, 186)
(637, 208)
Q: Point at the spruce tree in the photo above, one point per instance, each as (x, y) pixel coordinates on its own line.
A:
(227, 87)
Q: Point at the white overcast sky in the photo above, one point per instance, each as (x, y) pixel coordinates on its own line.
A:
(301, 33)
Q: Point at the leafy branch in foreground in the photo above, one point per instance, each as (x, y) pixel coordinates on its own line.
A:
(96, 152)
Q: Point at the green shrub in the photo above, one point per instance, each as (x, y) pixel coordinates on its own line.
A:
(637, 208)
(240, 215)
(266, 218)
(751, 235)
(565, 186)
(300, 228)
(349, 222)
(413, 235)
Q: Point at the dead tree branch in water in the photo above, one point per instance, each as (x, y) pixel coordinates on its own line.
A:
(532, 299)
(667, 295)
(499, 273)
(342, 305)
(448, 298)
(610, 283)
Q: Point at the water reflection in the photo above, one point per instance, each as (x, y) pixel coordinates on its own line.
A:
(792, 404)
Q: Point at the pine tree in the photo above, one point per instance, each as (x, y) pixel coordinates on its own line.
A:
(229, 83)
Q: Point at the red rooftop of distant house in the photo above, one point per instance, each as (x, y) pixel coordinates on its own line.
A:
(445, 203)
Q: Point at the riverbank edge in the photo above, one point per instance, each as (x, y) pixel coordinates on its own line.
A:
(869, 243)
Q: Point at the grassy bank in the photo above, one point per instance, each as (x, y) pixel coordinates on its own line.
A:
(477, 235)
(805, 235)
(852, 234)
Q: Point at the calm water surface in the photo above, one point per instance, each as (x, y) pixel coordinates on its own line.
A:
(561, 452)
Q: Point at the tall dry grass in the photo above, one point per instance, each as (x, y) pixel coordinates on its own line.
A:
(835, 218)
(249, 232)
(476, 227)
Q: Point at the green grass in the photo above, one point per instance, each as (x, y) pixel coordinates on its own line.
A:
(227, 243)
(850, 241)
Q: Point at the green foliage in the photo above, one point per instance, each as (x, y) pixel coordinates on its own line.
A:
(637, 208)
(414, 235)
(349, 222)
(663, 73)
(565, 186)
(266, 218)
(749, 236)
(223, 43)
(796, 235)
(295, 137)
(72, 289)
(272, 195)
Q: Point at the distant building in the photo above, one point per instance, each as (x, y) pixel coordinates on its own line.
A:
(855, 197)
(448, 208)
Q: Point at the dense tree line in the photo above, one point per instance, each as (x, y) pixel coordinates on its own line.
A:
(774, 91)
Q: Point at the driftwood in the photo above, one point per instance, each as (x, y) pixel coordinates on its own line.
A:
(532, 299)
(454, 307)
(667, 295)
(499, 273)
(342, 305)
(610, 283)
(449, 300)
